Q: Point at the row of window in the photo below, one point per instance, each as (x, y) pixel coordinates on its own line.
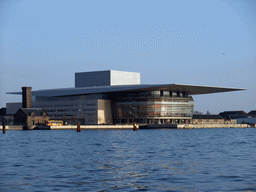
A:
(154, 114)
(152, 94)
(69, 110)
(153, 108)
(152, 121)
(69, 98)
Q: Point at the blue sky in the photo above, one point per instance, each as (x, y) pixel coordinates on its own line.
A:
(43, 43)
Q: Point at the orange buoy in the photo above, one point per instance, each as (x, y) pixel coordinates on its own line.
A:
(135, 128)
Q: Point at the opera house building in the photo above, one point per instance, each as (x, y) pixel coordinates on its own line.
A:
(117, 97)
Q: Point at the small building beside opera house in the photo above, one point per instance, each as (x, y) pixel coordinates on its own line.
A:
(28, 117)
(117, 97)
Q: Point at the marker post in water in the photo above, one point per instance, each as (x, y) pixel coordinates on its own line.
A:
(3, 123)
(78, 127)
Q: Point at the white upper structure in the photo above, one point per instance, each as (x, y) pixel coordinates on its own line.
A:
(106, 78)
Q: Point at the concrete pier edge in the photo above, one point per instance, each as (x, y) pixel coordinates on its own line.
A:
(179, 126)
(207, 126)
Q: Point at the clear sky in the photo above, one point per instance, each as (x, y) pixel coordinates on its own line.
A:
(201, 42)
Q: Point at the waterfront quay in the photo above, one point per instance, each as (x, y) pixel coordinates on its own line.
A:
(107, 127)
(202, 126)
(66, 127)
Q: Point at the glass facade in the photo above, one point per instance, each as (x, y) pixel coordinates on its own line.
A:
(71, 109)
(155, 107)
(143, 107)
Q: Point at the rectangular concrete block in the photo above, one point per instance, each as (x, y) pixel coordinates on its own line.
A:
(106, 78)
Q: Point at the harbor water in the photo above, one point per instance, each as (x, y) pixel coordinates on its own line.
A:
(125, 160)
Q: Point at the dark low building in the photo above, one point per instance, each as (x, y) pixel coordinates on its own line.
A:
(229, 115)
(3, 116)
(252, 113)
(250, 118)
(28, 117)
(3, 111)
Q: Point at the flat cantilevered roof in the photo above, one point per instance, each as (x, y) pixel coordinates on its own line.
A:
(189, 89)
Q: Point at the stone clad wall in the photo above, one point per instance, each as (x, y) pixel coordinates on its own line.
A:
(104, 112)
(37, 120)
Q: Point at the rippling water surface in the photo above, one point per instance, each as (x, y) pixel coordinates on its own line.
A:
(124, 160)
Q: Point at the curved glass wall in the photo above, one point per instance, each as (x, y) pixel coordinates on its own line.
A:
(156, 107)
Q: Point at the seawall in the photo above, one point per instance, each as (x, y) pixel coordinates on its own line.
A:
(12, 127)
(84, 127)
(201, 126)
(179, 126)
